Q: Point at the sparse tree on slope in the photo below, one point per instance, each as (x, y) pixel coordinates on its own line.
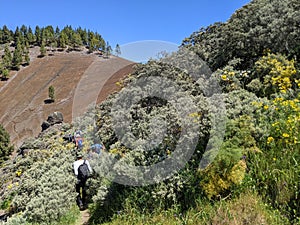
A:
(17, 57)
(63, 40)
(5, 147)
(118, 50)
(7, 58)
(108, 49)
(43, 50)
(30, 36)
(51, 91)
(7, 35)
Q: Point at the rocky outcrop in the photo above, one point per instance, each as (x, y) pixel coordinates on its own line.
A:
(53, 118)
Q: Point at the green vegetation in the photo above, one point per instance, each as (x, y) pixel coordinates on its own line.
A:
(117, 50)
(18, 43)
(51, 93)
(5, 147)
(254, 178)
(108, 50)
(251, 30)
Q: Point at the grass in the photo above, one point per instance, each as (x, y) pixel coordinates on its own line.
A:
(248, 208)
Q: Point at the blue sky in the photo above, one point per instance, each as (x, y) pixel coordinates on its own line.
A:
(141, 28)
(121, 21)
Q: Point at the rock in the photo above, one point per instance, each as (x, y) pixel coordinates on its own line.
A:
(30, 144)
(45, 125)
(54, 118)
(3, 215)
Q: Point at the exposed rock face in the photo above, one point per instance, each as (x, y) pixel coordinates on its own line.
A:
(45, 125)
(53, 118)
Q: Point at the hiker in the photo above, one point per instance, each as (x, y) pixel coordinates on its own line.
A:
(95, 151)
(78, 133)
(82, 171)
(96, 148)
(78, 141)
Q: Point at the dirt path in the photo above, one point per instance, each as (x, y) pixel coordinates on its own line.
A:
(84, 218)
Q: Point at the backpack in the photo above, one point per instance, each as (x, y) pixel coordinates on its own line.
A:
(83, 172)
(80, 143)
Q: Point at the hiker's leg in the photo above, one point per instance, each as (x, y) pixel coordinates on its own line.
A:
(78, 198)
(84, 193)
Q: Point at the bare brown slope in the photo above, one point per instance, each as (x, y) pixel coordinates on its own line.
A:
(22, 98)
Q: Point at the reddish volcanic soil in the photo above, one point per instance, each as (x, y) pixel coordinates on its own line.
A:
(79, 79)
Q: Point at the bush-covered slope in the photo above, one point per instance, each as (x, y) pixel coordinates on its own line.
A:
(253, 172)
(258, 27)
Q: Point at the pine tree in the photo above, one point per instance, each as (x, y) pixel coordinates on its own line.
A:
(1, 69)
(76, 40)
(83, 35)
(51, 93)
(118, 50)
(17, 57)
(7, 35)
(30, 37)
(108, 50)
(42, 50)
(38, 35)
(93, 44)
(26, 56)
(63, 40)
(5, 147)
(24, 30)
(5, 74)
(7, 58)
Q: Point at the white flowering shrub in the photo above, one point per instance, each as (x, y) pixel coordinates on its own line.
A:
(156, 111)
(40, 186)
(46, 190)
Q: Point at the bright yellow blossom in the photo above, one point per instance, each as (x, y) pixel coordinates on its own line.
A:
(269, 140)
(224, 77)
(285, 135)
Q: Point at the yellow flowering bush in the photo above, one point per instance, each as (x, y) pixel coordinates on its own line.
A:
(275, 170)
(220, 177)
(275, 73)
(285, 127)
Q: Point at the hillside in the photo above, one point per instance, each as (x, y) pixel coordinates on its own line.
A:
(182, 144)
(23, 107)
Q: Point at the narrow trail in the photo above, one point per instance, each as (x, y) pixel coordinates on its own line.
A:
(84, 217)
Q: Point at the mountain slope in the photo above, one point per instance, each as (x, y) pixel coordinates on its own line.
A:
(23, 106)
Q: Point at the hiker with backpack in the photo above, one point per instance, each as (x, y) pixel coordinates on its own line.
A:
(82, 171)
(79, 142)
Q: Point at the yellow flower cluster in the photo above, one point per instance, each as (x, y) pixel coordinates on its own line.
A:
(280, 69)
(270, 140)
(227, 75)
(224, 77)
(285, 129)
(11, 185)
(217, 184)
(257, 104)
(196, 116)
(19, 173)
(289, 104)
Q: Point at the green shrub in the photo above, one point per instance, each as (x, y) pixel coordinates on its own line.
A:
(5, 147)
(46, 187)
(275, 170)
